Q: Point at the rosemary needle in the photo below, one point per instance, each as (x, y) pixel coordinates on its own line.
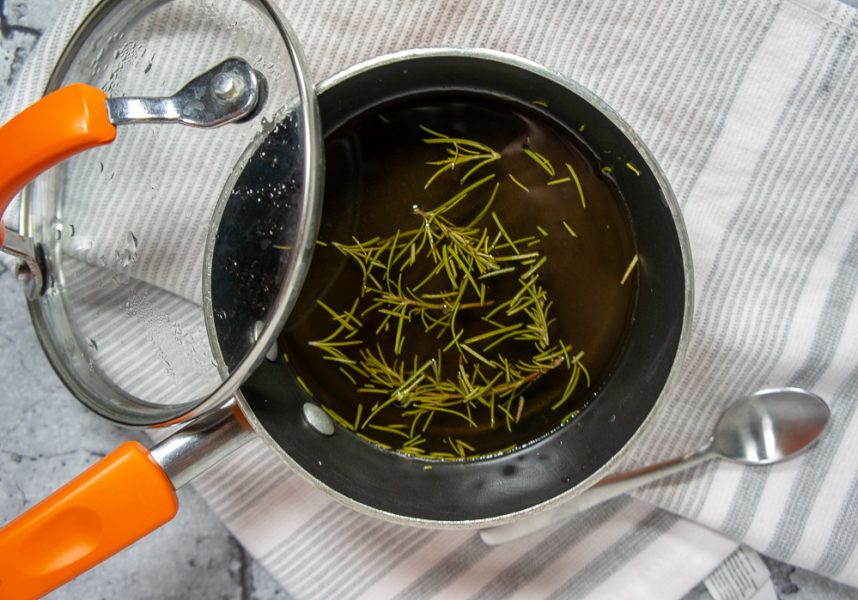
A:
(629, 269)
(517, 182)
(570, 230)
(303, 385)
(357, 416)
(577, 184)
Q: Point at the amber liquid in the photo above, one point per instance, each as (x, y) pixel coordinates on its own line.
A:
(375, 175)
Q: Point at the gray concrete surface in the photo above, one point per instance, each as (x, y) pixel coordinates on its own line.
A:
(46, 438)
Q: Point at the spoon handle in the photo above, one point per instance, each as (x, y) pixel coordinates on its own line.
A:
(607, 488)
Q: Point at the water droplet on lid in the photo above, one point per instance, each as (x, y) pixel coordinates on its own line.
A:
(126, 259)
(257, 329)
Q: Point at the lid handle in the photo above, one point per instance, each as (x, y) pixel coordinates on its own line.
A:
(63, 123)
(228, 92)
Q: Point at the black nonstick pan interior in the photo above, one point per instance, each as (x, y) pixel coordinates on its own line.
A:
(451, 493)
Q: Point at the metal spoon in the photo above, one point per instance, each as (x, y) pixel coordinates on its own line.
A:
(763, 428)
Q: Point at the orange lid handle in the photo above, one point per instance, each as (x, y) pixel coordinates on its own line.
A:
(115, 502)
(63, 123)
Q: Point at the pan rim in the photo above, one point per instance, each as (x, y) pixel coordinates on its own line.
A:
(684, 335)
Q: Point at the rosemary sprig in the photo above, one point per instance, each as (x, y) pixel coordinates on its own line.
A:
(460, 151)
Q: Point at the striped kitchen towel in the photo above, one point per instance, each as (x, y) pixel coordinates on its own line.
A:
(750, 107)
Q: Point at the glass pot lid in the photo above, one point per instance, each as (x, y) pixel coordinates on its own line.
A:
(136, 233)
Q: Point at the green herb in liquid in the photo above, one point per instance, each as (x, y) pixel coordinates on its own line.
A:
(449, 324)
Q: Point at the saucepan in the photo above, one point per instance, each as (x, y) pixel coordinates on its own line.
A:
(143, 340)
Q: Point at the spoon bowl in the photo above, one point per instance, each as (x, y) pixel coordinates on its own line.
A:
(770, 426)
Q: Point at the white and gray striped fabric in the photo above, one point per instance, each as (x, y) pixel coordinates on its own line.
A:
(751, 108)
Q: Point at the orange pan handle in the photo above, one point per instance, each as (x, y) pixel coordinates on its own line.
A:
(63, 123)
(115, 502)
